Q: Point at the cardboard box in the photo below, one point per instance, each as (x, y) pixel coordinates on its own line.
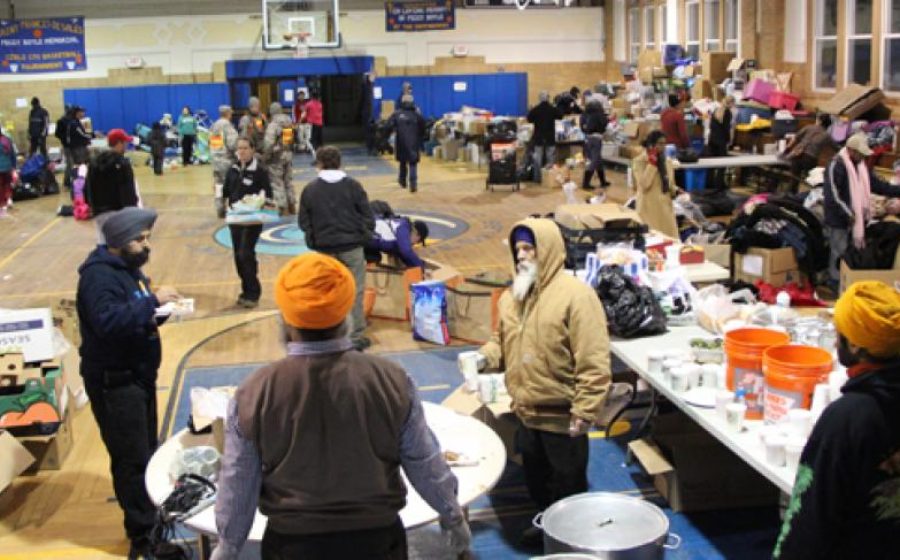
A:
(773, 266)
(50, 451)
(14, 459)
(619, 103)
(387, 108)
(715, 65)
(31, 398)
(852, 101)
(29, 331)
(849, 276)
(702, 89)
(498, 416)
(596, 216)
(450, 149)
(693, 471)
(718, 253)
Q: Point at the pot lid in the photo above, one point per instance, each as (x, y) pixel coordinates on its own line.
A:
(604, 521)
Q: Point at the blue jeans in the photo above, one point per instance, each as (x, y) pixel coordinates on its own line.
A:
(413, 173)
(541, 157)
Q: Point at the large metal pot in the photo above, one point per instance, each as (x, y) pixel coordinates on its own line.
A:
(608, 526)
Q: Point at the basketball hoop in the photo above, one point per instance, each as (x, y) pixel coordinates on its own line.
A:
(300, 43)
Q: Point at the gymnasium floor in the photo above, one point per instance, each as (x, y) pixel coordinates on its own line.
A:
(71, 513)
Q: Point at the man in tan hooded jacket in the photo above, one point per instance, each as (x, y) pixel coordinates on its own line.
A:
(553, 345)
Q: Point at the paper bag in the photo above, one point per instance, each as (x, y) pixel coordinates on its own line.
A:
(472, 311)
(391, 287)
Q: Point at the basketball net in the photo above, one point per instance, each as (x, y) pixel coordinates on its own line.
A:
(300, 42)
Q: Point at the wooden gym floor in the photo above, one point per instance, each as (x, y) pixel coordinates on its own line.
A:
(71, 513)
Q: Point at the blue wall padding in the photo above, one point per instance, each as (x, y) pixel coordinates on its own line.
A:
(293, 67)
(124, 107)
(502, 94)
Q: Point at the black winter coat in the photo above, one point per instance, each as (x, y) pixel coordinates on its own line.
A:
(594, 120)
(157, 141)
(544, 116)
(116, 313)
(838, 204)
(847, 491)
(409, 125)
(110, 183)
(335, 216)
(38, 120)
(77, 135)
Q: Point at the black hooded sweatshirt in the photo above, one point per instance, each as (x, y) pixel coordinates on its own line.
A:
(110, 183)
(116, 313)
(846, 501)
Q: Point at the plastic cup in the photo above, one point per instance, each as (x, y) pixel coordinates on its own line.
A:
(468, 366)
(655, 361)
(487, 389)
(681, 380)
(793, 448)
(819, 399)
(709, 375)
(694, 372)
(734, 416)
(799, 422)
(670, 363)
(723, 399)
(775, 450)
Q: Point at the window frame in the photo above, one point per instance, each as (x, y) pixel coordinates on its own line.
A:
(648, 12)
(736, 14)
(634, 13)
(850, 36)
(662, 13)
(818, 35)
(705, 40)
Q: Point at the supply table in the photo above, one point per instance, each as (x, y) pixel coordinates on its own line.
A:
(747, 445)
(454, 431)
(743, 160)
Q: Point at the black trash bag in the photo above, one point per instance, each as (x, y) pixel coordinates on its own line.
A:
(687, 155)
(25, 191)
(631, 310)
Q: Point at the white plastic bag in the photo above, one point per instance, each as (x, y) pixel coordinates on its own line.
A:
(714, 306)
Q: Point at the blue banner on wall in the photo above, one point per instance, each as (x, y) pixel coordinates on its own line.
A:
(432, 15)
(30, 46)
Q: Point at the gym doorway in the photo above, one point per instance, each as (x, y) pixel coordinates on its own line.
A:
(341, 97)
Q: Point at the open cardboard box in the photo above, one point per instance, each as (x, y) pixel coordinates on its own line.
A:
(32, 396)
(596, 216)
(497, 415)
(849, 276)
(693, 471)
(773, 266)
(14, 459)
(50, 451)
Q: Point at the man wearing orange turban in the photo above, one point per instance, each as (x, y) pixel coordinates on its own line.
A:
(315, 440)
(846, 501)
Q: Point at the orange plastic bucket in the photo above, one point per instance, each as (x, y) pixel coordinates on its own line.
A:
(792, 373)
(744, 352)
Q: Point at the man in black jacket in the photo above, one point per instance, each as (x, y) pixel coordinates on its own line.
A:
(79, 138)
(543, 142)
(846, 499)
(593, 124)
(409, 124)
(839, 214)
(62, 134)
(120, 354)
(336, 218)
(38, 125)
(110, 182)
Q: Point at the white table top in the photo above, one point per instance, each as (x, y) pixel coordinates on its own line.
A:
(705, 273)
(454, 432)
(747, 444)
(744, 160)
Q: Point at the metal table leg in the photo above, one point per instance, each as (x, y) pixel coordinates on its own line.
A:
(651, 411)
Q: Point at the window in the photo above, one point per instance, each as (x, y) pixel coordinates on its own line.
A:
(732, 16)
(890, 79)
(663, 32)
(859, 41)
(634, 31)
(711, 41)
(825, 45)
(692, 21)
(649, 28)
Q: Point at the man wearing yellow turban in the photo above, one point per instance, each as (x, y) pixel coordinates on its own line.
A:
(846, 501)
(316, 440)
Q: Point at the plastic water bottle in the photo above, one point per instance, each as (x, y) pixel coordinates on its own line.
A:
(783, 299)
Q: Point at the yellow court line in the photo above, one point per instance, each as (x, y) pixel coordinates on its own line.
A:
(434, 387)
(73, 552)
(28, 242)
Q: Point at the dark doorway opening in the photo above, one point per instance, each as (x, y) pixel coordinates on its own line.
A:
(341, 97)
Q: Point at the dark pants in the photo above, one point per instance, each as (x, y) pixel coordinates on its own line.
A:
(717, 174)
(413, 174)
(158, 160)
(315, 138)
(125, 411)
(370, 137)
(38, 143)
(187, 148)
(243, 240)
(555, 464)
(593, 151)
(388, 543)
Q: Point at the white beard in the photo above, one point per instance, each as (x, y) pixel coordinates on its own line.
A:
(525, 276)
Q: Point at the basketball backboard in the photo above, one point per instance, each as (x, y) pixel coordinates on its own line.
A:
(283, 20)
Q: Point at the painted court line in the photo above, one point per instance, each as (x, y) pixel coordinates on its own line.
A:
(28, 242)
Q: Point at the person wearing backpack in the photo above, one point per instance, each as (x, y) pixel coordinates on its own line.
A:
(187, 128)
(279, 157)
(593, 123)
(409, 125)
(38, 125)
(7, 167)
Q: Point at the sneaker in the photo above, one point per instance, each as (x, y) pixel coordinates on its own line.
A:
(605, 184)
(141, 549)
(4, 213)
(413, 188)
(402, 184)
(247, 303)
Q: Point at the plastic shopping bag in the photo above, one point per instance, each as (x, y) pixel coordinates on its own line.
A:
(429, 312)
